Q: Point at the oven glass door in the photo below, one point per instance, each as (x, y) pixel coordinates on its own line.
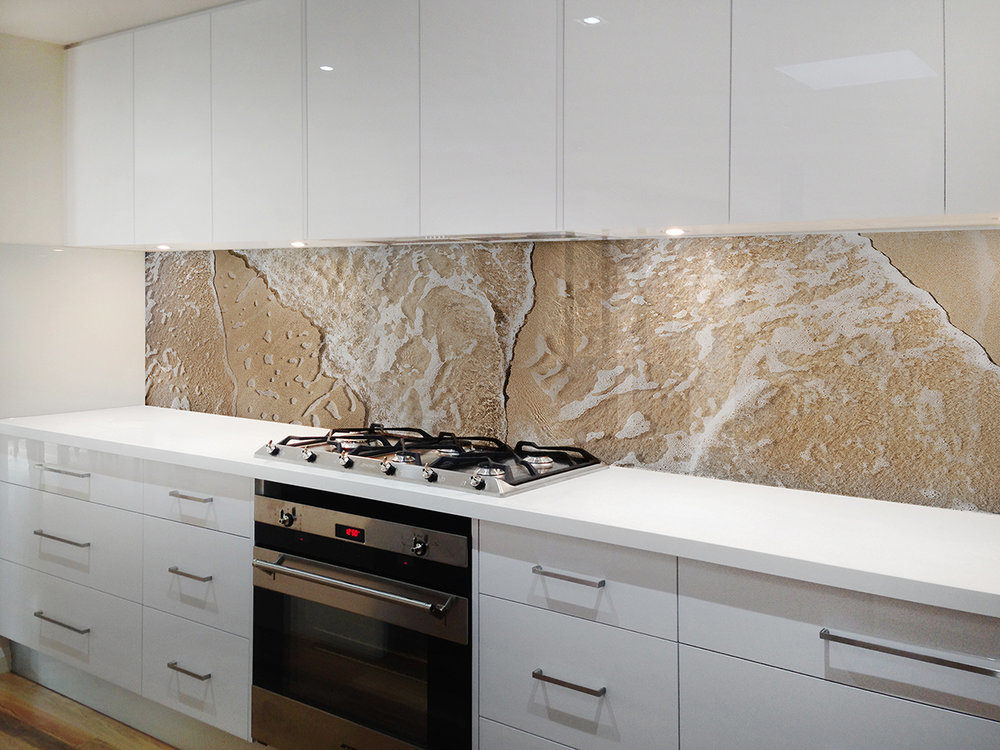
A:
(381, 675)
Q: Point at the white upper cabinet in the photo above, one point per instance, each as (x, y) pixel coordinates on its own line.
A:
(973, 80)
(646, 113)
(838, 109)
(173, 132)
(257, 159)
(489, 83)
(362, 68)
(99, 174)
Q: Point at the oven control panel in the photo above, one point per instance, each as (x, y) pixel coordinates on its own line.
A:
(439, 546)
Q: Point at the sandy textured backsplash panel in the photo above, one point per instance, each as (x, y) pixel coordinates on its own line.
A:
(808, 361)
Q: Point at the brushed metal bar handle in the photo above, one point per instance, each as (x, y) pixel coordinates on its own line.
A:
(438, 610)
(42, 616)
(178, 572)
(538, 570)
(67, 472)
(173, 665)
(54, 538)
(538, 674)
(183, 496)
(826, 635)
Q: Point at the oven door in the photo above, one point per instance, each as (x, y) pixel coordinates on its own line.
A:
(344, 659)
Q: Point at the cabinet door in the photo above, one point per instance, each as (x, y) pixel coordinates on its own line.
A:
(99, 172)
(489, 79)
(838, 110)
(731, 703)
(973, 107)
(257, 161)
(364, 118)
(647, 113)
(173, 132)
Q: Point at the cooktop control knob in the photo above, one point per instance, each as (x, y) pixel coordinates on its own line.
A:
(346, 461)
(476, 482)
(419, 547)
(271, 448)
(387, 468)
(429, 474)
(308, 455)
(286, 517)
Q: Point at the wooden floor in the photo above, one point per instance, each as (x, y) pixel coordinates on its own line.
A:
(34, 718)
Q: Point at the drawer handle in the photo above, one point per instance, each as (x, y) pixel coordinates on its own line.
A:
(173, 665)
(538, 674)
(54, 538)
(182, 496)
(67, 472)
(826, 635)
(42, 616)
(538, 570)
(178, 572)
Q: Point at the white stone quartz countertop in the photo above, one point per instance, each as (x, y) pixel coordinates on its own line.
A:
(946, 558)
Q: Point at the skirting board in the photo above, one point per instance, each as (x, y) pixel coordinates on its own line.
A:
(5, 659)
(164, 724)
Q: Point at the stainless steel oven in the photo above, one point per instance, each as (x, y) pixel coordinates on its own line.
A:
(361, 624)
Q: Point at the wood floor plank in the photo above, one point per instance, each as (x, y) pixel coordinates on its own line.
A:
(35, 718)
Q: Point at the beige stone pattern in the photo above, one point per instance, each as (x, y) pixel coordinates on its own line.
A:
(274, 354)
(961, 270)
(186, 365)
(805, 361)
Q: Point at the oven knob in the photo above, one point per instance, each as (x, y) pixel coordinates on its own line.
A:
(308, 455)
(346, 461)
(429, 474)
(286, 518)
(387, 468)
(476, 482)
(271, 448)
(419, 547)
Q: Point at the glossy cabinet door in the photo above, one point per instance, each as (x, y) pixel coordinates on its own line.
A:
(972, 160)
(173, 132)
(731, 703)
(489, 83)
(99, 173)
(257, 160)
(646, 114)
(838, 110)
(363, 125)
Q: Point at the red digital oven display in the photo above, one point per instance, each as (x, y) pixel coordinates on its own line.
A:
(350, 533)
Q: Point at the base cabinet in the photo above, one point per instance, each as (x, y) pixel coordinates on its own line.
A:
(728, 702)
(494, 736)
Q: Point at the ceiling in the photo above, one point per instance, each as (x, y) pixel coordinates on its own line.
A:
(70, 21)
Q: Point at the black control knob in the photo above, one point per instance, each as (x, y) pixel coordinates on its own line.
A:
(476, 482)
(286, 517)
(308, 455)
(271, 448)
(346, 461)
(387, 468)
(429, 474)
(419, 547)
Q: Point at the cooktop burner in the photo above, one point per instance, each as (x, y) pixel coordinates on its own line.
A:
(478, 463)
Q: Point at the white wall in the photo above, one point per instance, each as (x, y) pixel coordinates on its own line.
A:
(31, 141)
(72, 330)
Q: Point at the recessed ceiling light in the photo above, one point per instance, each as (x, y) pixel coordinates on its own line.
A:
(591, 20)
(674, 231)
(298, 244)
(326, 68)
(163, 247)
(57, 249)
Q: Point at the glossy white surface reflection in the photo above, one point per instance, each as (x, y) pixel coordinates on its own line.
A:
(859, 70)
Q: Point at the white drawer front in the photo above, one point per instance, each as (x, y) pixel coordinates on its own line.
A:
(171, 550)
(110, 650)
(223, 502)
(732, 703)
(80, 541)
(778, 621)
(638, 593)
(17, 455)
(218, 690)
(494, 736)
(638, 673)
(88, 475)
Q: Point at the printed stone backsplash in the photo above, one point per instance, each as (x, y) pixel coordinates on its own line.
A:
(806, 361)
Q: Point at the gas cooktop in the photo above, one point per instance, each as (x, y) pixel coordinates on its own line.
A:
(476, 464)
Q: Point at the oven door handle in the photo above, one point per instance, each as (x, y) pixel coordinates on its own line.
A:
(437, 610)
